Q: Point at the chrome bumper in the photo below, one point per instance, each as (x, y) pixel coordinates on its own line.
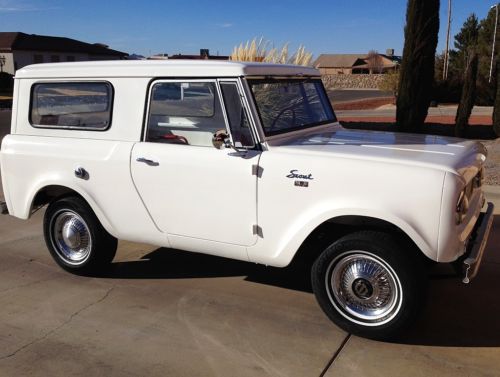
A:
(478, 244)
(3, 208)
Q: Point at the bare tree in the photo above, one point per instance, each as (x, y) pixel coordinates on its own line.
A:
(375, 62)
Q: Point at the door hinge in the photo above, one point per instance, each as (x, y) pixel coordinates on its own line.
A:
(257, 170)
(258, 231)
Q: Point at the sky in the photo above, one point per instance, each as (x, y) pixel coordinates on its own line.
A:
(185, 26)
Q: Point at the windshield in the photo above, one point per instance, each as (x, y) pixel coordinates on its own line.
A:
(291, 104)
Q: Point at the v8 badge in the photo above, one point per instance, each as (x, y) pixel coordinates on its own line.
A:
(301, 183)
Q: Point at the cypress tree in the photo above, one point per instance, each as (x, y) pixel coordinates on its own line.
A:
(468, 95)
(465, 41)
(417, 67)
(496, 109)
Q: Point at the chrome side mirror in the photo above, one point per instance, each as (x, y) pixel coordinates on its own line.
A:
(219, 139)
(229, 144)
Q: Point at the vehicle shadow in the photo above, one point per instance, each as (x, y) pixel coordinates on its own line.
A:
(460, 315)
(456, 315)
(165, 263)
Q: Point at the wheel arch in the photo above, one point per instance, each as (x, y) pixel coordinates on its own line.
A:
(50, 192)
(331, 229)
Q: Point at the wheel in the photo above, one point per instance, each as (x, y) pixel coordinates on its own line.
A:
(75, 238)
(369, 284)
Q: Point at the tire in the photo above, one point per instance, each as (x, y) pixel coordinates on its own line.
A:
(369, 284)
(76, 239)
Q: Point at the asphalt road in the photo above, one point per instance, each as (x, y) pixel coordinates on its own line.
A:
(347, 95)
(390, 111)
(162, 312)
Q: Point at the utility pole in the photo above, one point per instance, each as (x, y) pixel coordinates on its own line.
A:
(494, 41)
(447, 52)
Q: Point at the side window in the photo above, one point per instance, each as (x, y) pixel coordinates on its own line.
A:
(186, 112)
(238, 121)
(77, 105)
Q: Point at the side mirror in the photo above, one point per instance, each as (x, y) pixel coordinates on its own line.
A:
(219, 139)
(229, 144)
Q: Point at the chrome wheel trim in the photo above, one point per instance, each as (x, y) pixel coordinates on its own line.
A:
(363, 288)
(70, 237)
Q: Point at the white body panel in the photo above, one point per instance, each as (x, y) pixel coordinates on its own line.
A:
(164, 68)
(198, 192)
(220, 202)
(25, 161)
(366, 174)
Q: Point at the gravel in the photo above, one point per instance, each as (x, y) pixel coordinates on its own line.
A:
(493, 162)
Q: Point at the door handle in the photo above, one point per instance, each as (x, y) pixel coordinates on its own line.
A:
(147, 161)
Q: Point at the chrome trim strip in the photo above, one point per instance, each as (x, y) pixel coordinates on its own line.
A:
(482, 230)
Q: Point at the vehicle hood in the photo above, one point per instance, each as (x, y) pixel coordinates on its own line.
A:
(439, 152)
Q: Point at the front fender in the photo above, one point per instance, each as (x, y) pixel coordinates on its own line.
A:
(291, 240)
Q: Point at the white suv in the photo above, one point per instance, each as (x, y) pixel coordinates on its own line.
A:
(245, 161)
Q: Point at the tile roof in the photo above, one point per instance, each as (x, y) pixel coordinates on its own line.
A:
(352, 60)
(337, 60)
(11, 41)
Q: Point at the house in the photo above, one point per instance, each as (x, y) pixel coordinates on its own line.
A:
(204, 55)
(338, 64)
(19, 49)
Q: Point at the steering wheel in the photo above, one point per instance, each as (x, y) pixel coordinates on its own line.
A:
(282, 112)
(174, 139)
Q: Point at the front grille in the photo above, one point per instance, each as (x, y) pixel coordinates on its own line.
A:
(479, 178)
(475, 183)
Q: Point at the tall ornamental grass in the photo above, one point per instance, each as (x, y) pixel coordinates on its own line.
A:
(257, 50)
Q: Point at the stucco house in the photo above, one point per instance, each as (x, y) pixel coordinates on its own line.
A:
(19, 49)
(338, 64)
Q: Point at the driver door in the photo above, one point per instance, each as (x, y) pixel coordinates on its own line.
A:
(190, 188)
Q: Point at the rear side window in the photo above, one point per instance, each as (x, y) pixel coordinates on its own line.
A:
(78, 105)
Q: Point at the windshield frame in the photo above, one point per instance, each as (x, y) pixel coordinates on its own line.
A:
(292, 79)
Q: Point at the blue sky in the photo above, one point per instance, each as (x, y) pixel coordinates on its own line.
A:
(185, 26)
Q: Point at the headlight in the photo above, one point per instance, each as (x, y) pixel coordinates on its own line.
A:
(462, 207)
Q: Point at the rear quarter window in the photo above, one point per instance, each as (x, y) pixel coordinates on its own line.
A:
(76, 105)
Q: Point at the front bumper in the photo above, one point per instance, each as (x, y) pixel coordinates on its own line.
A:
(477, 244)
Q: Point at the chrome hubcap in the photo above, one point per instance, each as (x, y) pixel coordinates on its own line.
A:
(363, 288)
(71, 237)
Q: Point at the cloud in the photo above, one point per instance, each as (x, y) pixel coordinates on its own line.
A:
(225, 25)
(18, 6)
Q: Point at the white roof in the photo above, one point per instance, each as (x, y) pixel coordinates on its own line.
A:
(164, 68)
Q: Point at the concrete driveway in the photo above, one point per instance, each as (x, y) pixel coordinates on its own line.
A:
(162, 312)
